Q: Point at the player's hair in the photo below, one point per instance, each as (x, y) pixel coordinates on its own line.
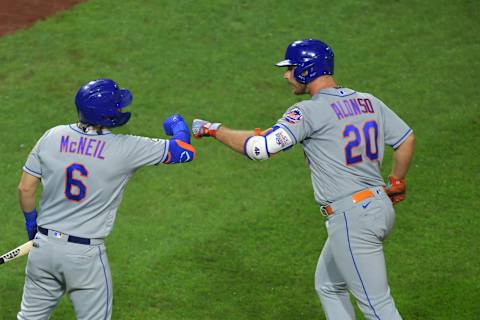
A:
(84, 127)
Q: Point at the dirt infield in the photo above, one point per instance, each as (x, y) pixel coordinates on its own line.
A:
(20, 14)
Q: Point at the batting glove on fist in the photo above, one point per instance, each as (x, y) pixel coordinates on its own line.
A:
(203, 128)
(173, 124)
(396, 189)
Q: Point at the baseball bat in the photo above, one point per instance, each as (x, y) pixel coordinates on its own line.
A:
(17, 252)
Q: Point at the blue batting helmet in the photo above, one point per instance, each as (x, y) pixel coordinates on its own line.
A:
(99, 102)
(312, 58)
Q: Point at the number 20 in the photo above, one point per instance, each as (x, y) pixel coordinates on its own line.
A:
(371, 147)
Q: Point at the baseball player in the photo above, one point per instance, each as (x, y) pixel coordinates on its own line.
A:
(84, 168)
(343, 133)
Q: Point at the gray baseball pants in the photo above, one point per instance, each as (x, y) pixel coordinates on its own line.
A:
(352, 259)
(56, 267)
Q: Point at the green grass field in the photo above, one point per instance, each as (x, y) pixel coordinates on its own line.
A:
(226, 238)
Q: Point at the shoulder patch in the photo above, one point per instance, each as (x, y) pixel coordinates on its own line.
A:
(295, 115)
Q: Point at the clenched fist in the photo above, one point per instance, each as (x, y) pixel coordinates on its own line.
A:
(203, 128)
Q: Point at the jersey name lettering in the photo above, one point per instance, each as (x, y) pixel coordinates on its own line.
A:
(85, 146)
(351, 107)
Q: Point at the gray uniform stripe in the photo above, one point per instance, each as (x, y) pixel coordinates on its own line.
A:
(33, 173)
(106, 282)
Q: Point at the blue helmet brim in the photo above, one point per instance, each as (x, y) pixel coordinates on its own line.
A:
(285, 63)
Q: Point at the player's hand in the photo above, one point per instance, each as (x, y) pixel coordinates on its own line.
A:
(175, 123)
(31, 223)
(396, 189)
(203, 128)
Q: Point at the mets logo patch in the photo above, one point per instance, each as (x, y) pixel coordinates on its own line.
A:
(293, 116)
(282, 139)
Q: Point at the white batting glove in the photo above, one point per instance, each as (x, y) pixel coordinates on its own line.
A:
(203, 128)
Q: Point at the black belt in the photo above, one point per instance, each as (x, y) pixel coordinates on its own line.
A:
(72, 239)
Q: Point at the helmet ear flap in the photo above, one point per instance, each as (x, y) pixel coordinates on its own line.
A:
(120, 119)
(309, 71)
(303, 72)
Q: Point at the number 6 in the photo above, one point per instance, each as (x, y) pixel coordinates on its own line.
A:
(71, 182)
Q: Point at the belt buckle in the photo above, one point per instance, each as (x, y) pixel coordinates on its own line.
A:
(57, 234)
(323, 210)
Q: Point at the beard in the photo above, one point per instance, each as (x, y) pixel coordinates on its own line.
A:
(299, 88)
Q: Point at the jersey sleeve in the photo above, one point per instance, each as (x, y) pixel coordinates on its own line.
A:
(396, 130)
(33, 164)
(295, 123)
(143, 151)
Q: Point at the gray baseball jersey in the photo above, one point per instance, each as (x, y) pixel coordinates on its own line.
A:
(343, 133)
(84, 175)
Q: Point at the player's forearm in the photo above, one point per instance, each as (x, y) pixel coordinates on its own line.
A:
(402, 157)
(234, 139)
(26, 200)
(27, 192)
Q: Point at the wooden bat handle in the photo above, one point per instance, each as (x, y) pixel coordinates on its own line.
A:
(17, 252)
